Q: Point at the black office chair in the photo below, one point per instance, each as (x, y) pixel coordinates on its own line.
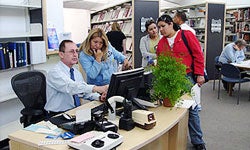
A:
(30, 88)
(231, 74)
(217, 68)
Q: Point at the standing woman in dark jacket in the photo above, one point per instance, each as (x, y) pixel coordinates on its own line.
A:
(117, 38)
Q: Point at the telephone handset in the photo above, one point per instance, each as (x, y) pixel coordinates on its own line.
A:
(111, 103)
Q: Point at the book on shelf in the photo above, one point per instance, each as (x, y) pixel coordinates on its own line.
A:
(126, 11)
(129, 44)
(116, 13)
(21, 53)
(12, 48)
(127, 27)
(121, 12)
(101, 16)
(2, 59)
(13, 54)
(108, 14)
(94, 18)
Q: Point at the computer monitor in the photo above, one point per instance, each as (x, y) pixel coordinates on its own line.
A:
(125, 84)
(146, 86)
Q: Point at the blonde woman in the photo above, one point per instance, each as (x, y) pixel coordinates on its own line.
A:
(99, 58)
(117, 38)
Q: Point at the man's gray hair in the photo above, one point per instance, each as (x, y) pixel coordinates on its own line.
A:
(240, 42)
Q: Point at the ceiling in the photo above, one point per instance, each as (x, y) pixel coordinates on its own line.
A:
(93, 6)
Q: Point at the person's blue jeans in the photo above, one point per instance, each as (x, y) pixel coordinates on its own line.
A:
(194, 127)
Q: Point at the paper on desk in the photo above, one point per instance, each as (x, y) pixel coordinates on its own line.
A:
(83, 115)
(185, 103)
(42, 129)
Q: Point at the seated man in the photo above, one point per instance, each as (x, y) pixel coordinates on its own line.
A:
(65, 83)
(233, 53)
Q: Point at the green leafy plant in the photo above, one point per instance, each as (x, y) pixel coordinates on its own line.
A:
(169, 79)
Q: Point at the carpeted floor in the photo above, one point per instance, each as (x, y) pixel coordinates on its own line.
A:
(225, 125)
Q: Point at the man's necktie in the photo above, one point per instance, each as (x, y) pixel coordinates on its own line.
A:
(76, 98)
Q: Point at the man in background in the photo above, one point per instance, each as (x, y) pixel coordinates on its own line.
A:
(233, 53)
(180, 19)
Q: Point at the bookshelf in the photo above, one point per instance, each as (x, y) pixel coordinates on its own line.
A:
(207, 19)
(127, 14)
(236, 21)
(21, 26)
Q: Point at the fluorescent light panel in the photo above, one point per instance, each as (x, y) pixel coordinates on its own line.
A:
(97, 1)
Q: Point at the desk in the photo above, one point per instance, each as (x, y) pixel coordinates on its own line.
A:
(245, 65)
(170, 133)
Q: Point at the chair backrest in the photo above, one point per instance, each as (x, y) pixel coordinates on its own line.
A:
(230, 71)
(216, 59)
(217, 63)
(30, 87)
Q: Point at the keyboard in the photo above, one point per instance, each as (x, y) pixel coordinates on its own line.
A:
(58, 120)
(99, 109)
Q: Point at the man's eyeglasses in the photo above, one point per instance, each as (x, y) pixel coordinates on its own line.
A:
(72, 51)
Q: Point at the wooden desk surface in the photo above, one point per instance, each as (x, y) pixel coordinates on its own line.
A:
(134, 139)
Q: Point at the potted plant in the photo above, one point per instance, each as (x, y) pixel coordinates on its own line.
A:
(169, 81)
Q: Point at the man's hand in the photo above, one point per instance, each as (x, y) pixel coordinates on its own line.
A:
(103, 97)
(126, 65)
(100, 89)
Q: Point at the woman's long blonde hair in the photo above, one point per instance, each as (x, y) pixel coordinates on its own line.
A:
(96, 32)
(115, 27)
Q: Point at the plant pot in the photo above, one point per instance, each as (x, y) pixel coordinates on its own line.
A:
(167, 103)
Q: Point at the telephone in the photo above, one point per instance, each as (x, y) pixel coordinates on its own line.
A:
(96, 140)
(126, 122)
(111, 103)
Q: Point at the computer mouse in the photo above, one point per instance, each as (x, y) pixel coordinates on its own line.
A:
(113, 136)
(97, 143)
(67, 116)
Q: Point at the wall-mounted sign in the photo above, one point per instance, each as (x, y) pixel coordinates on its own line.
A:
(216, 26)
(143, 22)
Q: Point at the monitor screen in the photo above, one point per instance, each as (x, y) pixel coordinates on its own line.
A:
(125, 84)
(146, 86)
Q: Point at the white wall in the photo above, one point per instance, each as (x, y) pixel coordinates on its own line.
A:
(77, 21)
(10, 109)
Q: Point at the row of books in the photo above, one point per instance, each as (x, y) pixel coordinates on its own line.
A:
(126, 26)
(13, 54)
(118, 12)
(240, 26)
(242, 14)
(21, 53)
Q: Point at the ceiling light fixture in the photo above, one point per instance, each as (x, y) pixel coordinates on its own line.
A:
(97, 1)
